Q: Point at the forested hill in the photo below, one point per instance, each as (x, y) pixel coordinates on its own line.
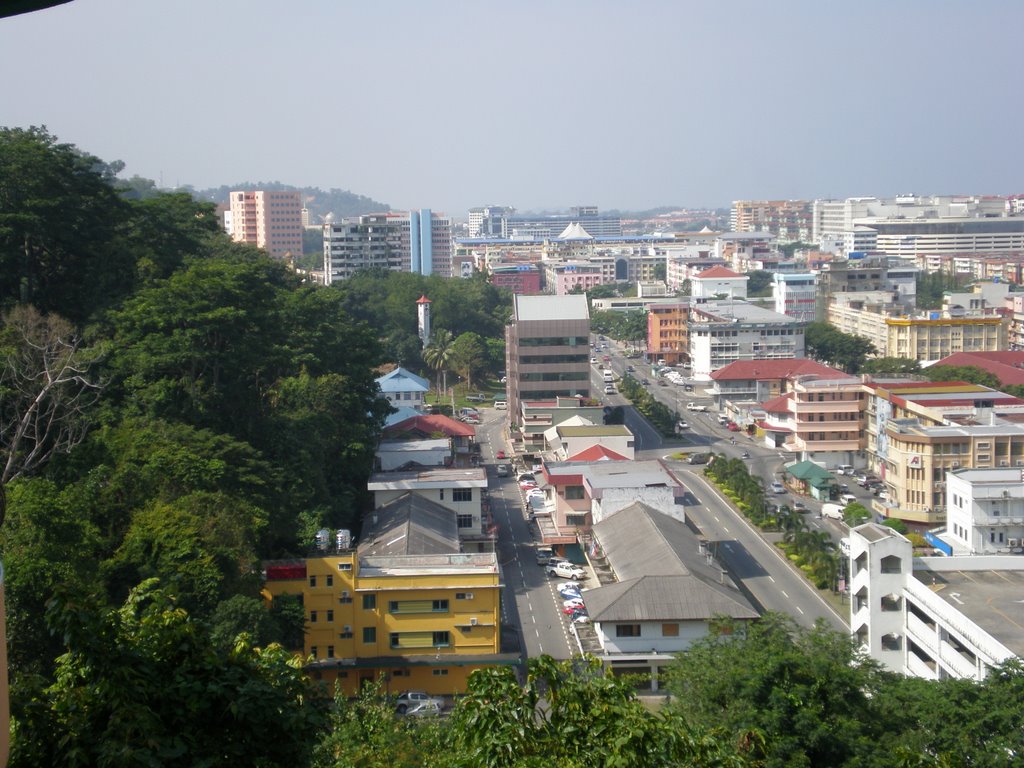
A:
(320, 202)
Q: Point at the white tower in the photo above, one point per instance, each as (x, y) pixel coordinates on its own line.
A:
(423, 315)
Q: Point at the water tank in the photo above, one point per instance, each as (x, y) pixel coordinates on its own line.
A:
(343, 539)
(323, 539)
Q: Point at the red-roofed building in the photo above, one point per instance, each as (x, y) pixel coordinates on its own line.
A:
(598, 453)
(761, 380)
(718, 282)
(1008, 367)
(462, 435)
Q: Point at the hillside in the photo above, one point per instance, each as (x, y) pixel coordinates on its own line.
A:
(340, 202)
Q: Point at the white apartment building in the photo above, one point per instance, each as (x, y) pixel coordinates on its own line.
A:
(795, 295)
(933, 617)
(720, 283)
(985, 511)
(417, 241)
(722, 332)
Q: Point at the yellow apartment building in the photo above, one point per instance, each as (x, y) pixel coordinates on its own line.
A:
(930, 337)
(405, 607)
(918, 432)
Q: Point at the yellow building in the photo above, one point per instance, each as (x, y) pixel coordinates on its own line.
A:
(918, 432)
(398, 609)
(929, 337)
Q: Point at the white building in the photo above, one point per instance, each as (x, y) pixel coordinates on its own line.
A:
(403, 388)
(718, 283)
(933, 617)
(722, 332)
(795, 295)
(985, 511)
(614, 485)
(459, 490)
(666, 590)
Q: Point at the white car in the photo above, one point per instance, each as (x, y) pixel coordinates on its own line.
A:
(566, 571)
(609, 390)
(572, 602)
(534, 493)
(778, 488)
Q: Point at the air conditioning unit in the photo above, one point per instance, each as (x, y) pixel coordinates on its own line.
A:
(344, 593)
(473, 621)
(955, 464)
(1019, 463)
(469, 596)
(346, 629)
(1004, 463)
(1012, 543)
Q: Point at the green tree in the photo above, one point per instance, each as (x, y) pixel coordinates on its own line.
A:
(891, 366)
(931, 286)
(855, 514)
(438, 355)
(969, 373)
(829, 345)
(759, 283)
(468, 357)
(59, 217)
(145, 685)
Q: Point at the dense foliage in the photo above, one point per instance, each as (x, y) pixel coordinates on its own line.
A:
(829, 345)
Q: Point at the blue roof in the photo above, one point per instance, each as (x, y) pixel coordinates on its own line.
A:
(401, 380)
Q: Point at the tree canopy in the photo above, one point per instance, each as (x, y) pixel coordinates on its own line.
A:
(844, 350)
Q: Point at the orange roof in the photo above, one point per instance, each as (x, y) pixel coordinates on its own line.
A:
(428, 425)
(778, 404)
(597, 453)
(1006, 366)
(761, 370)
(718, 271)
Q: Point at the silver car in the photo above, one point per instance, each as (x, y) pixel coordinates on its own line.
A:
(409, 700)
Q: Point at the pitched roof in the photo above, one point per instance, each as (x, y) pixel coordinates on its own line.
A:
(778, 404)
(597, 453)
(1006, 366)
(410, 525)
(663, 574)
(575, 231)
(401, 380)
(809, 472)
(775, 369)
(429, 424)
(719, 271)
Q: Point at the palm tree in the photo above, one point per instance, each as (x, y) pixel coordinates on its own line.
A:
(438, 354)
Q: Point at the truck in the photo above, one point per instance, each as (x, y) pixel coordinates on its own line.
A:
(696, 407)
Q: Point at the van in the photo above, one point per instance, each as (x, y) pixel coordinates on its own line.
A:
(832, 511)
(501, 405)
(723, 419)
(544, 555)
(609, 377)
(845, 469)
(847, 498)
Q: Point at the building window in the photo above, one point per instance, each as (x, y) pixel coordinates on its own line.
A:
(627, 630)
(462, 494)
(417, 606)
(344, 566)
(574, 492)
(463, 595)
(312, 581)
(312, 651)
(464, 521)
(312, 617)
(369, 634)
(576, 520)
(670, 630)
(330, 615)
(330, 651)
(404, 640)
(330, 579)
(345, 599)
(369, 602)
(440, 672)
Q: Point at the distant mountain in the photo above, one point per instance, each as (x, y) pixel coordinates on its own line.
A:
(340, 202)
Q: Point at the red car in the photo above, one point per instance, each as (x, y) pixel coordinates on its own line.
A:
(500, 455)
(732, 426)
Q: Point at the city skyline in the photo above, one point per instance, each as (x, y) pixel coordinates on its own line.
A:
(535, 106)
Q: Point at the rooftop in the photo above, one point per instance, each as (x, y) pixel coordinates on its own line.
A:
(719, 272)
(474, 477)
(594, 430)
(401, 380)
(763, 370)
(569, 307)
(741, 311)
(1008, 367)
(431, 424)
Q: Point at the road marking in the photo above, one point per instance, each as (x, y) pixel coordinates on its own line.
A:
(784, 594)
(725, 529)
(799, 608)
(771, 579)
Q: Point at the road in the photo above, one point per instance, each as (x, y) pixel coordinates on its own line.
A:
(529, 597)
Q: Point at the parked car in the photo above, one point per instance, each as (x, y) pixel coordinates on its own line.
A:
(572, 602)
(696, 407)
(593, 361)
(501, 405)
(832, 511)
(544, 555)
(500, 455)
(526, 476)
(527, 484)
(429, 708)
(847, 498)
(409, 699)
(534, 493)
(567, 571)
(569, 590)
(581, 619)
(477, 398)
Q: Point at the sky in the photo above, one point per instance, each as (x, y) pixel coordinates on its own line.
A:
(538, 105)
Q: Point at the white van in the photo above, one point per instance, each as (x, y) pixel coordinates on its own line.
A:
(501, 405)
(832, 511)
(609, 377)
(847, 498)
(845, 469)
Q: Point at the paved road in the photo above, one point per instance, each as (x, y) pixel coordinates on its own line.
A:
(529, 597)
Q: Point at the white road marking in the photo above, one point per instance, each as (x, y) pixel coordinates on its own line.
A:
(799, 608)
(771, 579)
(784, 594)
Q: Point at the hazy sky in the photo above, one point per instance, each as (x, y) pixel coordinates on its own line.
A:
(627, 104)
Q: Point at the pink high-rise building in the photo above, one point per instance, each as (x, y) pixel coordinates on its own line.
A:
(271, 220)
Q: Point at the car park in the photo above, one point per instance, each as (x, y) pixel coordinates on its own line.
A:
(409, 699)
(566, 571)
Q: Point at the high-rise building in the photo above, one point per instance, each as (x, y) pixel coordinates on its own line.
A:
(503, 222)
(789, 220)
(547, 350)
(268, 219)
(418, 241)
